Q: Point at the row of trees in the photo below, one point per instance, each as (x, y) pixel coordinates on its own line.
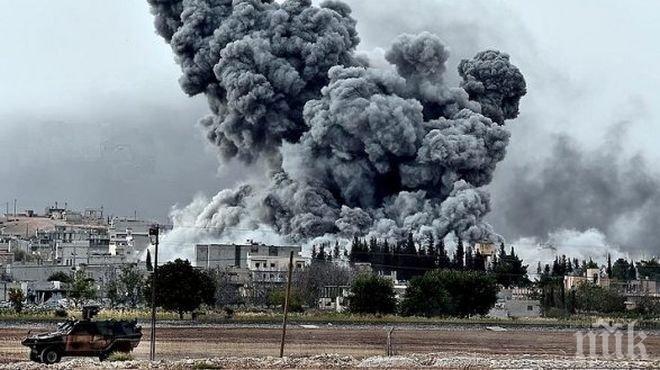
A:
(620, 270)
(436, 293)
(409, 259)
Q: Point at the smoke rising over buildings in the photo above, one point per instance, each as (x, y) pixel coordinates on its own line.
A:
(598, 189)
(349, 149)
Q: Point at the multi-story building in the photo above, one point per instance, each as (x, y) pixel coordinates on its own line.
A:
(272, 269)
(212, 256)
(129, 237)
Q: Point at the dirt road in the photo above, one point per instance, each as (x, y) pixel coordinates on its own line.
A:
(359, 341)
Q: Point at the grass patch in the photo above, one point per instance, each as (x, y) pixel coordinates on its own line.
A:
(120, 356)
(205, 366)
(324, 317)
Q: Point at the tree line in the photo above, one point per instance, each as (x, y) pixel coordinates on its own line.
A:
(409, 259)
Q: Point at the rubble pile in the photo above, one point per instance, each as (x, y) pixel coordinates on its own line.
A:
(434, 360)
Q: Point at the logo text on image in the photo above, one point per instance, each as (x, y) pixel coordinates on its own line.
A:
(628, 343)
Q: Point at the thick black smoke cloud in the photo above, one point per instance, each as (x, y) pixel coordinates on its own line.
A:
(577, 188)
(350, 149)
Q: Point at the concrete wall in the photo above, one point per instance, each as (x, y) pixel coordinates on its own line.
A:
(31, 272)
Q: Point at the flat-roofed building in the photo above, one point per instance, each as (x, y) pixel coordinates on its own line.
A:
(213, 256)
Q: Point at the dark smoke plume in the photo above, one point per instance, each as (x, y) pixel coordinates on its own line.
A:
(576, 188)
(350, 149)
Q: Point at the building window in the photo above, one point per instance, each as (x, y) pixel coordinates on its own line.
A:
(272, 250)
(272, 265)
(530, 308)
(256, 265)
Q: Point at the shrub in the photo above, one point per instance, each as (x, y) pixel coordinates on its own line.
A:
(16, 298)
(372, 294)
(648, 306)
(425, 297)
(120, 356)
(276, 298)
(592, 298)
(450, 292)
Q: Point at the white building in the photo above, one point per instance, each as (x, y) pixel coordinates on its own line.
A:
(129, 237)
(516, 302)
(272, 269)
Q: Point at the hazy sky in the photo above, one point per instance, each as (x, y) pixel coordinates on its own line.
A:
(92, 113)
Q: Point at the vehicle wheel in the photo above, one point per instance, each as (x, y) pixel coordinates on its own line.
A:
(50, 356)
(34, 356)
(104, 356)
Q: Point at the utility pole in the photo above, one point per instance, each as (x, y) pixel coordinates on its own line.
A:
(14, 207)
(153, 231)
(286, 304)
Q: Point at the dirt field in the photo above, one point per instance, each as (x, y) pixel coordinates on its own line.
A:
(175, 343)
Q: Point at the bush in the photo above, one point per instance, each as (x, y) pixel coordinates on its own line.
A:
(592, 298)
(372, 294)
(648, 306)
(120, 356)
(16, 298)
(450, 292)
(276, 298)
(426, 298)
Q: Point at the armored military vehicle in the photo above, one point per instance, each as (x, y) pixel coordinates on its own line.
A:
(84, 338)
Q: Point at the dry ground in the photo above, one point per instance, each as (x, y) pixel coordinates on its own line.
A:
(180, 342)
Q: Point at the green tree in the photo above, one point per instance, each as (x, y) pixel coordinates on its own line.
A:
(311, 281)
(335, 252)
(632, 271)
(510, 271)
(444, 261)
(82, 288)
(592, 298)
(431, 254)
(372, 294)
(60, 276)
(591, 264)
(226, 292)
(450, 292)
(112, 292)
(458, 256)
(649, 269)
(425, 297)
(22, 256)
(181, 288)
(648, 307)
(16, 298)
(150, 266)
(621, 270)
(131, 284)
(359, 251)
(276, 298)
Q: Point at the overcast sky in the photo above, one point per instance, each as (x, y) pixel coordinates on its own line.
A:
(92, 113)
